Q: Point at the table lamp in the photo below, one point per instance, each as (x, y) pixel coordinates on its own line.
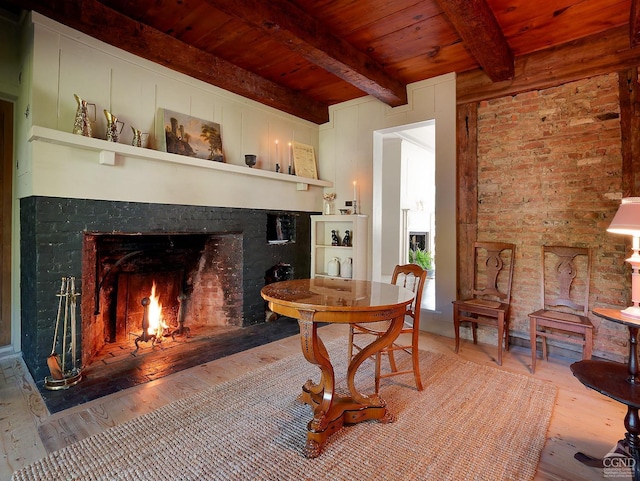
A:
(627, 221)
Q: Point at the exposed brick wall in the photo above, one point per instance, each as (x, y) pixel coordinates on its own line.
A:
(549, 172)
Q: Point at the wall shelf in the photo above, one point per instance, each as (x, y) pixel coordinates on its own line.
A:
(322, 250)
(109, 150)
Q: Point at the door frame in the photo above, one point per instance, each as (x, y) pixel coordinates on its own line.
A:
(6, 209)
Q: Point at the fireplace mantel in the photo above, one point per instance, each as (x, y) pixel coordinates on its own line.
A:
(108, 150)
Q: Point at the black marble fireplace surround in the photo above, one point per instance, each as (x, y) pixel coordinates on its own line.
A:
(52, 232)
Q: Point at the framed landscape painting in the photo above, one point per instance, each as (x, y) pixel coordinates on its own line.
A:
(185, 135)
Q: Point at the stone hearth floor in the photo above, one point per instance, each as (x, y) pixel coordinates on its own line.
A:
(119, 366)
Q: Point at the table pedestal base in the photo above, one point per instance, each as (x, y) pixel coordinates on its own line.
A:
(613, 380)
(343, 411)
(331, 410)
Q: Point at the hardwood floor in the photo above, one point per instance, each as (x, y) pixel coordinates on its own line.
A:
(583, 420)
(118, 366)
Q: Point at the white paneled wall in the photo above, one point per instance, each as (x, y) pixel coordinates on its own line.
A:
(352, 148)
(66, 62)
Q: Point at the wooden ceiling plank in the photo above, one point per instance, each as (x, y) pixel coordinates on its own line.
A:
(103, 23)
(451, 58)
(301, 33)
(547, 24)
(348, 18)
(482, 35)
(598, 54)
(414, 41)
(634, 23)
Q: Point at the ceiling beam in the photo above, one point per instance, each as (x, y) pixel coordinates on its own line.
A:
(298, 31)
(634, 23)
(598, 54)
(112, 27)
(482, 36)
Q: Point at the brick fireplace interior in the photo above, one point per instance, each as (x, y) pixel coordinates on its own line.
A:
(195, 279)
(208, 265)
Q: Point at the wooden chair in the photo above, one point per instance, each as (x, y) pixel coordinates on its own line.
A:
(412, 277)
(491, 293)
(564, 290)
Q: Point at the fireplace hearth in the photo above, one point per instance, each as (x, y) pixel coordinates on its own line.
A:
(113, 247)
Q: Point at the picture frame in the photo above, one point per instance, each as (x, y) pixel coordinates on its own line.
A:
(304, 160)
(186, 135)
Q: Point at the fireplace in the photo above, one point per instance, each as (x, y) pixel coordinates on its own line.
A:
(215, 256)
(198, 276)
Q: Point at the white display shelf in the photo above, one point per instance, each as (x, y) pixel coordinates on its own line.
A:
(322, 251)
(108, 151)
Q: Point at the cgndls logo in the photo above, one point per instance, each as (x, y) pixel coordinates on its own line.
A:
(617, 465)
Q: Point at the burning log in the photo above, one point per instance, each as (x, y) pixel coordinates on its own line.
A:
(153, 325)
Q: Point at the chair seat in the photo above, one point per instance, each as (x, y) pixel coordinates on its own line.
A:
(379, 328)
(482, 302)
(545, 314)
(479, 306)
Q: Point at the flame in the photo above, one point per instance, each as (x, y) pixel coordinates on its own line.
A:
(156, 322)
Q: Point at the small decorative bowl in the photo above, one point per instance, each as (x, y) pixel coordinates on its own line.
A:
(345, 211)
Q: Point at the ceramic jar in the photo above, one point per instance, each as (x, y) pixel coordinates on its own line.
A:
(333, 267)
(346, 268)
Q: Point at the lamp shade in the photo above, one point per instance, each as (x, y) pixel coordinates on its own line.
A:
(627, 219)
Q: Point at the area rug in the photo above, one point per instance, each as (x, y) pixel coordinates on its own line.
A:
(470, 422)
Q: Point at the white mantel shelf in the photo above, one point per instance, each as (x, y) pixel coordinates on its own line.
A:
(109, 150)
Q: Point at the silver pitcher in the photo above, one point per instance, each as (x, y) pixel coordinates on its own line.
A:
(82, 122)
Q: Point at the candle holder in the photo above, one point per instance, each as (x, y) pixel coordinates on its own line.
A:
(355, 207)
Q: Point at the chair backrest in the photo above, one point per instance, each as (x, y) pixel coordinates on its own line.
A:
(565, 279)
(493, 270)
(412, 277)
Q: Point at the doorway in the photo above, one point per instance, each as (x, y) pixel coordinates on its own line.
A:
(398, 190)
(408, 200)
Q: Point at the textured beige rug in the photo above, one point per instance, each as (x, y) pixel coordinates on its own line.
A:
(470, 423)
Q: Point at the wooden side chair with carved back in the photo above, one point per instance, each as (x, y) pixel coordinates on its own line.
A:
(564, 291)
(491, 293)
(412, 277)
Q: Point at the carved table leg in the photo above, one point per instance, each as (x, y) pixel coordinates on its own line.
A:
(330, 411)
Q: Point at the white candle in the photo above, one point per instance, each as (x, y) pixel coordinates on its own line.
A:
(290, 152)
(354, 191)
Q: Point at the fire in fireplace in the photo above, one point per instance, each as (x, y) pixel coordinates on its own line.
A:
(147, 287)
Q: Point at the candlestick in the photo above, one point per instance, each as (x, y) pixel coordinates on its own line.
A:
(277, 154)
(290, 153)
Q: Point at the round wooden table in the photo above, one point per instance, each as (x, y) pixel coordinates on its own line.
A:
(344, 301)
(619, 382)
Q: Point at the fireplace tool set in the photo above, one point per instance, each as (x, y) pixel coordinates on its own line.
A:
(62, 377)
